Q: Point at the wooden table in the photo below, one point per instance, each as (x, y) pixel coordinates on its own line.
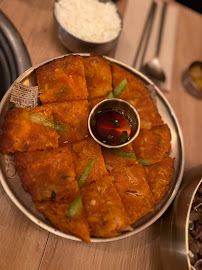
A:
(23, 244)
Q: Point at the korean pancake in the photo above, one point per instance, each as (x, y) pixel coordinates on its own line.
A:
(148, 113)
(82, 152)
(56, 213)
(159, 176)
(46, 174)
(28, 130)
(131, 184)
(62, 79)
(71, 119)
(134, 89)
(94, 101)
(152, 144)
(49, 177)
(104, 210)
(98, 76)
(116, 158)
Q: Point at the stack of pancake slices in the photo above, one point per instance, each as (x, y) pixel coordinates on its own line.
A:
(81, 188)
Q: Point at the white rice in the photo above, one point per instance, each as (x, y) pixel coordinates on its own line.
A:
(89, 20)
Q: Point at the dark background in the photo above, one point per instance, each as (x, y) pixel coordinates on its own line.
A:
(193, 4)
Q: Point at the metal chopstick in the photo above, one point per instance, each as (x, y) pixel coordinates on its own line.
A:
(145, 33)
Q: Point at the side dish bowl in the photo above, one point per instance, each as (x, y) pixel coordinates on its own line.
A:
(175, 228)
(10, 180)
(76, 44)
(192, 78)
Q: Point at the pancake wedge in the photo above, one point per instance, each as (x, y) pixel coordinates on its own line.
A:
(117, 158)
(49, 177)
(70, 120)
(153, 144)
(28, 130)
(148, 113)
(131, 184)
(98, 76)
(47, 174)
(135, 87)
(94, 101)
(62, 79)
(56, 212)
(104, 210)
(159, 176)
(84, 151)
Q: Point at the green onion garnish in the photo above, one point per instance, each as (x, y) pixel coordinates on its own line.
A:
(40, 119)
(123, 154)
(123, 137)
(115, 93)
(75, 208)
(59, 126)
(86, 172)
(130, 155)
(144, 161)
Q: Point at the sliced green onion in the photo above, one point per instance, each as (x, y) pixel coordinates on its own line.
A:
(115, 93)
(40, 119)
(123, 154)
(59, 126)
(144, 161)
(110, 95)
(86, 172)
(130, 155)
(75, 208)
(123, 137)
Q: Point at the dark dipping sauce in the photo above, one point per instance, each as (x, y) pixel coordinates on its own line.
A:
(112, 127)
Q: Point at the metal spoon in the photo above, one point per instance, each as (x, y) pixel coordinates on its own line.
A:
(153, 68)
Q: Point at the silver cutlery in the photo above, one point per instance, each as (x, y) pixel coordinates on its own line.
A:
(153, 68)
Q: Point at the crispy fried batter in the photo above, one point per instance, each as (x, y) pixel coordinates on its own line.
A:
(72, 119)
(47, 174)
(116, 190)
(113, 160)
(148, 113)
(94, 101)
(134, 89)
(153, 144)
(82, 152)
(131, 184)
(62, 79)
(49, 177)
(20, 133)
(56, 213)
(104, 210)
(98, 76)
(159, 176)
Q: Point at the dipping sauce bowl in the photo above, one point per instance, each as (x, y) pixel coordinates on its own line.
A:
(114, 123)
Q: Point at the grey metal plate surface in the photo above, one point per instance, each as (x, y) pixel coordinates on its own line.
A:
(14, 58)
(12, 184)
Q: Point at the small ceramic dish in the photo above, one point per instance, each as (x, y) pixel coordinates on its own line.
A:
(192, 79)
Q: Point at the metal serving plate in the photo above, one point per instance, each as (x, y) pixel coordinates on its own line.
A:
(12, 184)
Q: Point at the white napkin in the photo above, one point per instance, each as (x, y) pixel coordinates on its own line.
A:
(134, 20)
